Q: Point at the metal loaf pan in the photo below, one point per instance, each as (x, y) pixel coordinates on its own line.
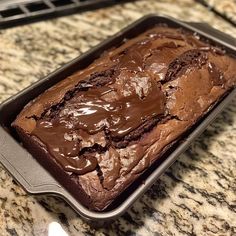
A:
(36, 180)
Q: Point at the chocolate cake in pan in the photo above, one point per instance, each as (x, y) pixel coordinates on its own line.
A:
(99, 129)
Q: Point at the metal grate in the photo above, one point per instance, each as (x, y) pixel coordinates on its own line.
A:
(15, 12)
(217, 12)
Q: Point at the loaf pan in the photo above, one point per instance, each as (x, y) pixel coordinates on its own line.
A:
(36, 180)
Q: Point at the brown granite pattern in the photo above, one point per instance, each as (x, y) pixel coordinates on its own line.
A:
(196, 196)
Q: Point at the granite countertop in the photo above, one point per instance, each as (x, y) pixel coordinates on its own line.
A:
(196, 196)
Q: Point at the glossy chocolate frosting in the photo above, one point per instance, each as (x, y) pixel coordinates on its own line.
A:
(90, 112)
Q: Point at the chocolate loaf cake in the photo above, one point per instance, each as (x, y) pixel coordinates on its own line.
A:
(97, 130)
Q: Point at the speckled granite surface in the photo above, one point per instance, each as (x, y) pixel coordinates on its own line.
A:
(196, 196)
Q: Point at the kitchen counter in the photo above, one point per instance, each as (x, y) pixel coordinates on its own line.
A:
(196, 196)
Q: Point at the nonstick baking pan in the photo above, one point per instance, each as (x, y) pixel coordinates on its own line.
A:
(36, 180)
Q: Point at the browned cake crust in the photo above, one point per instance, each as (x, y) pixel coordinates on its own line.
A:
(100, 128)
